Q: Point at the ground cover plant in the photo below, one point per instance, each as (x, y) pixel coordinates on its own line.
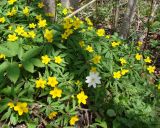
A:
(70, 74)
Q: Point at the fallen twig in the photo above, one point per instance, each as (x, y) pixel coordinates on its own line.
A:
(80, 9)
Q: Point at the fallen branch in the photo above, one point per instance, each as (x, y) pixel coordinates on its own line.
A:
(80, 9)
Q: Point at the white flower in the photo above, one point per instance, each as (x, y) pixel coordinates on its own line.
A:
(93, 79)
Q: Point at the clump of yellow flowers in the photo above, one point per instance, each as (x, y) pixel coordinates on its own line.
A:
(119, 74)
(70, 25)
(20, 107)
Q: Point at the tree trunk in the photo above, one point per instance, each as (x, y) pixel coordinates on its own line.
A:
(124, 32)
(50, 7)
(116, 14)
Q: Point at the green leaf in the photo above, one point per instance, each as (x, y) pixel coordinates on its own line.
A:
(37, 62)
(13, 72)
(9, 49)
(61, 46)
(14, 119)
(28, 66)
(20, 53)
(3, 68)
(6, 91)
(3, 104)
(6, 115)
(26, 99)
(31, 53)
(101, 123)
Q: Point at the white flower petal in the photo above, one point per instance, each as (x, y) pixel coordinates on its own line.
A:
(93, 79)
(94, 85)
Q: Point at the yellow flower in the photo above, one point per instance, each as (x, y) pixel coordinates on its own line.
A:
(58, 59)
(12, 12)
(138, 56)
(100, 32)
(81, 43)
(67, 23)
(140, 43)
(26, 11)
(21, 108)
(59, 4)
(45, 59)
(39, 17)
(48, 35)
(76, 23)
(123, 61)
(114, 44)
(69, 31)
(10, 2)
(52, 115)
(40, 83)
(89, 22)
(117, 75)
(83, 30)
(25, 34)
(138, 48)
(2, 19)
(77, 82)
(42, 23)
(90, 28)
(158, 86)
(89, 48)
(65, 11)
(12, 37)
(20, 65)
(49, 14)
(52, 81)
(10, 28)
(96, 59)
(124, 71)
(10, 104)
(32, 34)
(108, 36)
(148, 60)
(73, 120)
(32, 25)
(19, 30)
(64, 36)
(93, 69)
(151, 69)
(40, 5)
(56, 92)
(82, 97)
(2, 56)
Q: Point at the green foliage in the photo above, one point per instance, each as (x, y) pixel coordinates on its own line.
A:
(43, 72)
